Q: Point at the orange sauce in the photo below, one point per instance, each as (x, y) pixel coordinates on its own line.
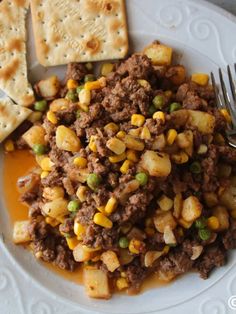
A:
(18, 164)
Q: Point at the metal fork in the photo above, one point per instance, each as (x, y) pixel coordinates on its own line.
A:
(223, 101)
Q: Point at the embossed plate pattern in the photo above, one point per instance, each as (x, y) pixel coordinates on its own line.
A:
(201, 35)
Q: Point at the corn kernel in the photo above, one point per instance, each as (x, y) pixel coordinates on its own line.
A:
(92, 85)
(132, 155)
(213, 223)
(102, 81)
(202, 149)
(52, 222)
(144, 83)
(35, 116)
(226, 115)
(123, 274)
(71, 84)
(44, 174)
(121, 134)
(106, 68)
(122, 283)
(52, 117)
(137, 119)
(171, 136)
(46, 164)
(85, 96)
(111, 205)
(233, 213)
(165, 203)
(145, 133)
(72, 242)
(118, 158)
(80, 162)
(166, 249)
(102, 220)
(111, 127)
(150, 231)
(133, 143)
(134, 246)
(9, 146)
(200, 78)
(101, 209)
(159, 115)
(135, 132)
(83, 107)
(126, 166)
(91, 249)
(180, 158)
(82, 193)
(79, 230)
(92, 144)
(116, 146)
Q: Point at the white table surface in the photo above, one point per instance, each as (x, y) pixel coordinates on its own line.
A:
(229, 5)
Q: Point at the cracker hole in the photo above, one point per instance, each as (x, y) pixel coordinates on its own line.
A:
(83, 53)
(13, 79)
(118, 32)
(61, 20)
(109, 7)
(65, 55)
(43, 22)
(45, 40)
(65, 17)
(18, 113)
(102, 51)
(80, 18)
(117, 14)
(56, 45)
(16, 29)
(4, 125)
(10, 28)
(98, 16)
(82, 36)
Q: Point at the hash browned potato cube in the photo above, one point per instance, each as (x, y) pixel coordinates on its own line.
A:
(204, 121)
(49, 87)
(56, 208)
(21, 232)
(222, 214)
(110, 259)
(96, 283)
(192, 209)
(35, 135)
(159, 54)
(163, 219)
(176, 74)
(157, 164)
(228, 198)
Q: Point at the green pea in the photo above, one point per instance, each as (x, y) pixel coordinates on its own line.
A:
(79, 89)
(93, 181)
(158, 101)
(73, 206)
(151, 110)
(195, 167)
(175, 106)
(41, 105)
(89, 78)
(142, 178)
(204, 234)
(201, 223)
(39, 149)
(123, 242)
(72, 95)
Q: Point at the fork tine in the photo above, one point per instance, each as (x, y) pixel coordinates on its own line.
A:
(224, 90)
(219, 102)
(232, 85)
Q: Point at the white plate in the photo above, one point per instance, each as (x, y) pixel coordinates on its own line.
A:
(204, 37)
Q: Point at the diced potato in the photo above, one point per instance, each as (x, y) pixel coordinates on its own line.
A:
(49, 87)
(211, 199)
(204, 121)
(136, 233)
(184, 223)
(96, 283)
(228, 198)
(53, 193)
(163, 219)
(56, 208)
(110, 259)
(159, 54)
(189, 137)
(159, 142)
(176, 74)
(35, 135)
(129, 187)
(21, 232)
(167, 276)
(82, 193)
(66, 139)
(192, 209)
(80, 254)
(151, 256)
(165, 203)
(222, 215)
(157, 164)
(169, 236)
(59, 104)
(183, 140)
(197, 251)
(178, 205)
(200, 78)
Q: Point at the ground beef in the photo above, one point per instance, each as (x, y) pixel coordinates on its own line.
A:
(210, 182)
(67, 227)
(227, 153)
(176, 263)
(30, 184)
(213, 257)
(136, 274)
(54, 178)
(68, 186)
(39, 229)
(229, 238)
(76, 71)
(194, 102)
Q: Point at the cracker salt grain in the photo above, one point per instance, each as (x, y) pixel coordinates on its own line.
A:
(11, 116)
(13, 67)
(79, 30)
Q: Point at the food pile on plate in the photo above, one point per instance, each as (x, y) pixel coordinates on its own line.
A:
(133, 172)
